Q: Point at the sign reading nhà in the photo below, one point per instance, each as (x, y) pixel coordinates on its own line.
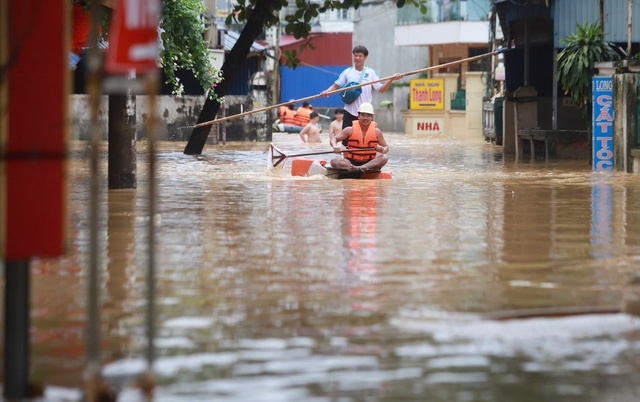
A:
(428, 125)
(427, 94)
(602, 123)
(133, 43)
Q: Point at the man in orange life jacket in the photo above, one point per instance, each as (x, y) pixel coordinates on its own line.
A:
(363, 134)
(303, 113)
(287, 114)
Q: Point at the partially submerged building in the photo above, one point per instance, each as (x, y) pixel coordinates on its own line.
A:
(537, 119)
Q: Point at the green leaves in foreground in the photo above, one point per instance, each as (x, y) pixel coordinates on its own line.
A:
(183, 44)
(576, 62)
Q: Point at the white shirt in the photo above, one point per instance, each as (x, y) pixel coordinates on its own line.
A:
(351, 74)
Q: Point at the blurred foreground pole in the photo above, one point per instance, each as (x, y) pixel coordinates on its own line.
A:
(33, 134)
(152, 127)
(133, 45)
(94, 88)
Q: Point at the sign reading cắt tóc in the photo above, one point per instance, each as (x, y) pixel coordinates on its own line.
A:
(602, 123)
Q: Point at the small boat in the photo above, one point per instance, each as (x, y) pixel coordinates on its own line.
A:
(276, 159)
(312, 167)
(289, 128)
(286, 128)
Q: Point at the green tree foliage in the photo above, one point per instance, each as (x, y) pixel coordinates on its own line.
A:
(576, 63)
(183, 43)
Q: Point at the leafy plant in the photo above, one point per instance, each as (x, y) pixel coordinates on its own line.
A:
(183, 44)
(576, 63)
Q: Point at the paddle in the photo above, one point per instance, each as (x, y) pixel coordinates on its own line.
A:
(277, 158)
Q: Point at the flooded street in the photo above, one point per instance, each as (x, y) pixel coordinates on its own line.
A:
(450, 282)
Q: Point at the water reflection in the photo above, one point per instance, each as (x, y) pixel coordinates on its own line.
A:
(308, 289)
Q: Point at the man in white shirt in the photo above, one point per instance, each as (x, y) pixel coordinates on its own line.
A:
(354, 74)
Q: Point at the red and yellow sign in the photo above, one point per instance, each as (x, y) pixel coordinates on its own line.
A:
(133, 41)
(427, 94)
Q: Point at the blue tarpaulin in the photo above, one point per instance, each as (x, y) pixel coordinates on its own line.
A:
(307, 81)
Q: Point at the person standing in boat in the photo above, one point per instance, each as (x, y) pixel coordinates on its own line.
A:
(359, 73)
(336, 125)
(363, 134)
(311, 132)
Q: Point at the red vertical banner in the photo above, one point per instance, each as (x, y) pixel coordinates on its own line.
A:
(133, 37)
(35, 44)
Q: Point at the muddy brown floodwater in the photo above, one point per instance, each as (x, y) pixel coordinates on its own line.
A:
(273, 288)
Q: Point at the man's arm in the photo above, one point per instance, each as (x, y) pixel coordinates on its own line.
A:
(382, 146)
(387, 84)
(331, 88)
(337, 139)
(303, 132)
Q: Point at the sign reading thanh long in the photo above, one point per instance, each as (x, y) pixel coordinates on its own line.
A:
(427, 94)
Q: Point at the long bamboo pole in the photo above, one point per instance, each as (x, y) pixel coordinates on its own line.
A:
(308, 98)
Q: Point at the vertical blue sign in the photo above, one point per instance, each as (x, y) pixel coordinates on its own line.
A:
(602, 124)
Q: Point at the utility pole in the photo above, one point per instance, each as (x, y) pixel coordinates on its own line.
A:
(630, 19)
(602, 16)
(122, 139)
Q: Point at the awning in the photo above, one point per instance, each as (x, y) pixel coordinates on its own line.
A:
(288, 40)
(230, 39)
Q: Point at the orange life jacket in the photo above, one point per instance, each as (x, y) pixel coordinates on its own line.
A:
(357, 140)
(287, 116)
(302, 116)
(281, 111)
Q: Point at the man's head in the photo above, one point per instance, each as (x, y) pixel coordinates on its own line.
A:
(365, 113)
(360, 49)
(360, 54)
(314, 115)
(307, 105)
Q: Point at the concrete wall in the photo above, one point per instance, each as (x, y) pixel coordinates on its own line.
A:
(178, 115)
(375, 30)
(453, 121)
(569, 117)
(475, 93)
